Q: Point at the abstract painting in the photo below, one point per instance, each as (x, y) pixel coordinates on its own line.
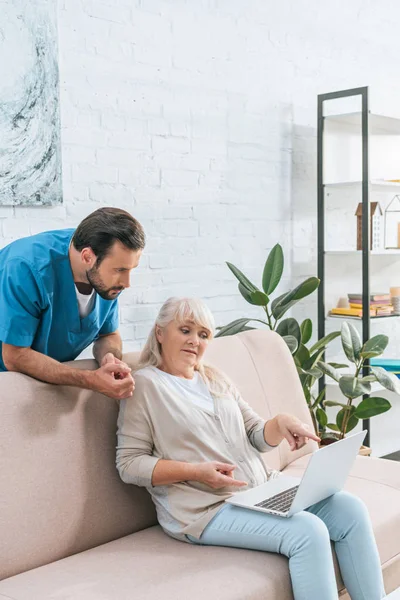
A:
(30, 144)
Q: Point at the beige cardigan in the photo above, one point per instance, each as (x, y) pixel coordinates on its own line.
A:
(157, 423)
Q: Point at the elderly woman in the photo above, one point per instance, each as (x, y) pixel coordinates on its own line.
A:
(180, 437)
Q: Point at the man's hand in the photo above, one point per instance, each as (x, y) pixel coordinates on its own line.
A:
(294, 431)
(217, 475)
(119, 373)
(104, 380)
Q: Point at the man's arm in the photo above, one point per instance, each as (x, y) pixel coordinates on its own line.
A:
(44, 368)
(110, 343)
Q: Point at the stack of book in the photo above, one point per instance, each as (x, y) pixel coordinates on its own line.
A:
(379, 306)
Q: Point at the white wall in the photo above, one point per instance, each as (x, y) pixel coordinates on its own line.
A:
(199, 117)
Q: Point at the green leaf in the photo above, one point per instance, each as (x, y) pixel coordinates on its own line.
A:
(323, 342)
(233, 327)
(319, 398)
(313, 360)
(273, 269)
(322, 417)
(282, 304)
(388, 380)
(367, 379)
(351, 342)
(338, 365)
(351, 423)
(291, 343)
(242, 278)
(279, 306)
(290, 327)
(351, 387)
(375, 346)
(370, 407)
(259, 298)
(333, 426)
(316, 373)
(306, 331)
(302, 355)
(328, 370)
(256, 298)
(334, 403)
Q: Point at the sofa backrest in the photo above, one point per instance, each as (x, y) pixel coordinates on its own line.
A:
(60, 492)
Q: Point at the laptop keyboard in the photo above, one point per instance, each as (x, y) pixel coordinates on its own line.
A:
(281, 502)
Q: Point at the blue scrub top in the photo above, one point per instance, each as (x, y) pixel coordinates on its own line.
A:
(38, 302)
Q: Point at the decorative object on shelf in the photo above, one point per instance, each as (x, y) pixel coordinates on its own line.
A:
(379, 306)
(392, 223)
(296, 335)
(356, 385)
(375, 224)
(395, 299)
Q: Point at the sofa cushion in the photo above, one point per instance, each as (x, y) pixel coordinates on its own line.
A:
(149, 564)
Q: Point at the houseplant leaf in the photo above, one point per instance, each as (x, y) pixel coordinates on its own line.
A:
(370, 407)
(323, 342)
(322, 417)
(233, 327)
(388, 380)
(273, 269)
(328, 370)
(302, 355)
(242, 278)
(289, 327)
(351, 342)
(352, 420)
(291, 343)
(259, 298)
(306, 331)
(351, 387)
(281, 304)
(375, 346)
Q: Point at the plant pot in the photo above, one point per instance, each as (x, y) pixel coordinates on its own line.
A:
(364, 450)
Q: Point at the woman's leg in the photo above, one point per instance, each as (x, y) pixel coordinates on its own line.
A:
(303, 538)
(349, 526)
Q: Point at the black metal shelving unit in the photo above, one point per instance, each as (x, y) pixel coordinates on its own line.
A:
(322, 98)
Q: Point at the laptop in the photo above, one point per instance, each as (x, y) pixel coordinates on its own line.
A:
(325, 475)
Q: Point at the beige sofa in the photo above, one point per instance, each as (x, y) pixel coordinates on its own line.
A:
(71, 530)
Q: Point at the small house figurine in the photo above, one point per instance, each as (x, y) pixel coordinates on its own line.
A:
(392, 223)
(375, 224)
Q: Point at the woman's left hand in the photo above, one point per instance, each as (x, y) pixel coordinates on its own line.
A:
(294, 431)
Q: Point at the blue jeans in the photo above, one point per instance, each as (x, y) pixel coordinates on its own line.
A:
(305, 540)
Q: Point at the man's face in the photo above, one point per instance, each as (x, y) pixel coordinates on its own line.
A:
(113, 274)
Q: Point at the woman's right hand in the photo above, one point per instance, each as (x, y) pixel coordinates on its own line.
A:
(217, 475)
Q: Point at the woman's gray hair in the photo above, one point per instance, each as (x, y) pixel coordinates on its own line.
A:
(181, 310)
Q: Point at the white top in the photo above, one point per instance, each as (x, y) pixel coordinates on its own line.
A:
(194, 390)
(85, 302)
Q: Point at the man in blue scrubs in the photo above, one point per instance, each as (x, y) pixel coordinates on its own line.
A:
(59, 293)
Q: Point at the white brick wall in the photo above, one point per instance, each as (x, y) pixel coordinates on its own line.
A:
(199, 118)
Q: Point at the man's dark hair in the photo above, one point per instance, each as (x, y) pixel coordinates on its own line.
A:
(103, 227)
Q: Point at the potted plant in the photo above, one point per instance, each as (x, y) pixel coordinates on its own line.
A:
(295, 335)
(356, 384)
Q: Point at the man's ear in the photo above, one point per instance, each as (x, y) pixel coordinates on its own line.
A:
(88, 257)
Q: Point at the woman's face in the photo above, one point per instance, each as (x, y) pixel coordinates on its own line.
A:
(182, 347)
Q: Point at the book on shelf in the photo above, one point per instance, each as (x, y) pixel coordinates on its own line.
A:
(351, 312)
(371, 305)
(381, 297)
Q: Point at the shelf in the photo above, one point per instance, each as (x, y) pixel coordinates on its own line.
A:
(378, 124)
(353, 318)
(392, 252)
(376, 185)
